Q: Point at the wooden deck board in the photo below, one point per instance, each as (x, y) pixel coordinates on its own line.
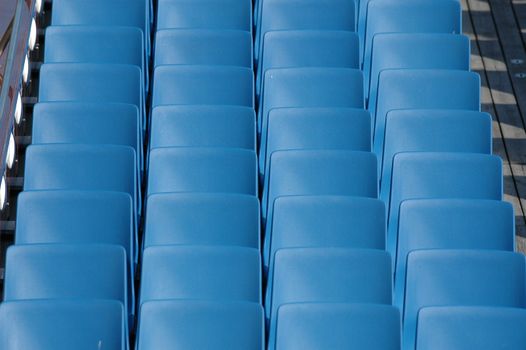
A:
(490, 57)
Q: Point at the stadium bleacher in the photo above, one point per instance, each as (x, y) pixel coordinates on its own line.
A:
(278, 175)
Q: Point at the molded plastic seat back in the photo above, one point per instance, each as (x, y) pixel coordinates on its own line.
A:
(412, 16)
(303, 275)
(203, 85)
(203, 126)
(414, 51)
(207, 219)
(316, 326)
(316, 128)
(62, 325)
(80, 167)
(461, 278)
(201, 325)
(201, 272)
(441, 175)
(87, 123)
(325, 221)
(81, 217)
(234, 15)
(308, 48)
(91, 82)
(181, 169)
(451, 224)
(319, 172)
(279, 15)
(124, 13)
(60, 271)
(422, 89)
(308, 87)
(203, 47)
(94, 44)
(432, 131)
(484, 328)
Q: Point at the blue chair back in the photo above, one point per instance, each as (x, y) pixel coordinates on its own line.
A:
(451, 224)
(419, 175)
(486, 328)
(335, 326)
(203, 126)
(202, 219)
(201, 272)
(201, 325)
(461, 278)
(193, 169)
(62, 325)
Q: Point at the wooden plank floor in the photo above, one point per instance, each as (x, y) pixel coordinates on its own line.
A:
(497, 29)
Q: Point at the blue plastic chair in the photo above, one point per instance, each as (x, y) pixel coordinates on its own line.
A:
(275, 15)
(203, 126)
(117, 13)
(483, 328)
(62, 325)
(203, 85)
(308, 48)
(67, 271)
(414, 51)
(441, 175)
(203, 47)
(422, 89)
(88, 123)
(96, 44)
(308, 87)
(461, 278)
(451, 224)
(432, 131)
(304, 275)
(316, 128)
(204, 14)
(202, 219)
(319, 172)
(192, 169)
(317, 326)
(325, 221)
(201, 325)
(91, 82)
(77, 217)
(412, 16)
(201, 272)
(80, 167)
